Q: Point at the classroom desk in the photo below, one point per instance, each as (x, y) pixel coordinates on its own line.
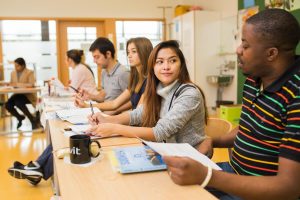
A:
(5, 90)
(101, 181)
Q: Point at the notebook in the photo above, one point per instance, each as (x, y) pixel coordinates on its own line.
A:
(138, 159)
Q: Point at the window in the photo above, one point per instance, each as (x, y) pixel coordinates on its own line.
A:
(35, 41)
(129, 29)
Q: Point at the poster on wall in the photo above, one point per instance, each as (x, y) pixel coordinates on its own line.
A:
(288, 5)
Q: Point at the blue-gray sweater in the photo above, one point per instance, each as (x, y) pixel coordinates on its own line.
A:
(184, 122)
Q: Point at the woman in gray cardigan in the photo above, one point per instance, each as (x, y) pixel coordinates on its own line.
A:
(173, 109)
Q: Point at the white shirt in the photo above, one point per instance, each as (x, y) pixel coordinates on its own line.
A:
(83, 78)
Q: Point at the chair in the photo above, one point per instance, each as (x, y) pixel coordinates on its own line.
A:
(217, 127)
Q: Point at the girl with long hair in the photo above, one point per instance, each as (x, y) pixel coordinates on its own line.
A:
(138, 51)
(173, 109)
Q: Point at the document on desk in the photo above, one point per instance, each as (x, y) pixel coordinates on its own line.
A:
(59, 105)
(182, 150)
(75, 116)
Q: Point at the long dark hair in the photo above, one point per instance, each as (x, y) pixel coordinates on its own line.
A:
(144, 48)
(77, 56)
(152, 101)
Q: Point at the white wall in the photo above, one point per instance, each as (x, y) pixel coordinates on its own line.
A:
(88, 8)
(105, 8)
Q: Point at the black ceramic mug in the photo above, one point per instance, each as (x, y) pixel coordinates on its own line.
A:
(80, 149)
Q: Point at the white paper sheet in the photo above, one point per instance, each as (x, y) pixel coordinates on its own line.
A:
(182, 150)
(83, 112)
(78, 120)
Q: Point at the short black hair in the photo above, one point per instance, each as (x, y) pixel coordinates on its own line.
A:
(103, 45)
(277, 27)
(20, 61)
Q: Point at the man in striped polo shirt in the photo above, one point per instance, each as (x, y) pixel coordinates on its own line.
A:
(265, 161)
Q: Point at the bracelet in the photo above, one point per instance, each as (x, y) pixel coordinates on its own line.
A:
(208, 177)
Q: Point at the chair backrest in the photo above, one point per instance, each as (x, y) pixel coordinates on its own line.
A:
(217, 127)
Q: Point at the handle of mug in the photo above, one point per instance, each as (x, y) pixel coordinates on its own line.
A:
(98, 146)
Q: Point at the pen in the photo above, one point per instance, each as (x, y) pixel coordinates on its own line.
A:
(93, 111)
(92, 108)
(77, 91)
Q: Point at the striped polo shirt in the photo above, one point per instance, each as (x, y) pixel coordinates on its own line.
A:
(269, 125)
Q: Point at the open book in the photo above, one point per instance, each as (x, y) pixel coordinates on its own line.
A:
(183, 150)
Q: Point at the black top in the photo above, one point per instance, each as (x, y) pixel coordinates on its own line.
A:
(135, 97)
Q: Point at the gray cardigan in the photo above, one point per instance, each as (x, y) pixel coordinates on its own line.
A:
(183, 123)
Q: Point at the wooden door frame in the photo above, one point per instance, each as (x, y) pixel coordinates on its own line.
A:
(62, 46)
(1, 59)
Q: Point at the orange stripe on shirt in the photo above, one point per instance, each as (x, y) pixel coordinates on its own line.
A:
(293, 118)
(263, 119)
(259, 141)
(289, 147)
(259, 168)
(283, 97)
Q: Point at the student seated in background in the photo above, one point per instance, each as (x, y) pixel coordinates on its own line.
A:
(82, 76)
(138, 51)
(265, 162)
(34, 171)
(173, 108)
(114, 76)
(22, 77)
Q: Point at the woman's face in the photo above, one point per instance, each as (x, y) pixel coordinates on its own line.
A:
(18, 67)
(133, 56)
(167, 66)
(69, 62)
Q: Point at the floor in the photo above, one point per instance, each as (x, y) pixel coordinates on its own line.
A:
(22, 147)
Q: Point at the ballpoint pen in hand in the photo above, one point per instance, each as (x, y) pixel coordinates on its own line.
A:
(92, 109)
(76, 90)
